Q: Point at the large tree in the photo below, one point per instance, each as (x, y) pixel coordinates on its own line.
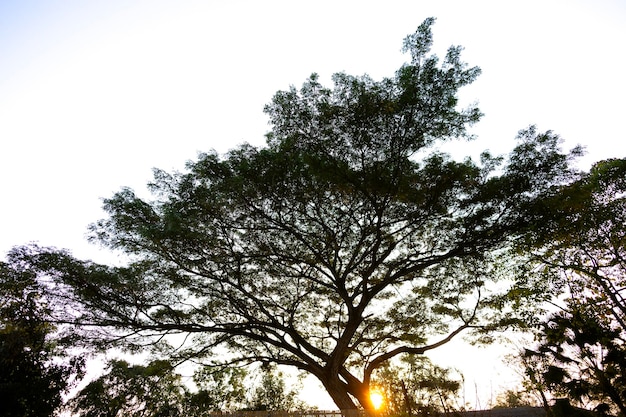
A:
(346, 241)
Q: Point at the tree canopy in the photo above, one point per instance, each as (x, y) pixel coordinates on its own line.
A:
(31, 380)
(580, 351)
(347, 241)
(157, 390)
(132, 390)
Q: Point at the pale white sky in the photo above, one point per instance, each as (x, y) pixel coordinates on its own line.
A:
(93, 94)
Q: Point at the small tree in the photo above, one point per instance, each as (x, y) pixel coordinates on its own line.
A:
(418, 387)
(271, 392)
(219, 389)
(32, 377)
(153, 390)
(515, 398)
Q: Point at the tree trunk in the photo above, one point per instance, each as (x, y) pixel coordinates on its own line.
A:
(338, 391)
(345, 397)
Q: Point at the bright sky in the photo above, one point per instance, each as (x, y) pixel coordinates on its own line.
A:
(94, 94)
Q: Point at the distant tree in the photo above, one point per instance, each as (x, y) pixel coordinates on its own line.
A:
(529, 369)
(416, 387)
(32, 376)
(581, 349)
(156, 390)
(219, 389)
(515, 398)
(271, 392)
(345, 242)
(153, 390)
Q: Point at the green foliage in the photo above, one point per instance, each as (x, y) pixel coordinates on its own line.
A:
(32, 379)
(579, 358)
(132, 390)
(348, 240)
(416, 387)
(219, 389)
(156, 389)
(271, 393)
(513, 399)
(580, 351)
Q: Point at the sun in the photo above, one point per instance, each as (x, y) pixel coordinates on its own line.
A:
(377, 399)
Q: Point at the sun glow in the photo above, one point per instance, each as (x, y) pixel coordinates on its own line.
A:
(377, 399)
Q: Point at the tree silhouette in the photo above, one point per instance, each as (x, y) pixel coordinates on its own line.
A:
(31, 380)
(345, 242)
(581, 344)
